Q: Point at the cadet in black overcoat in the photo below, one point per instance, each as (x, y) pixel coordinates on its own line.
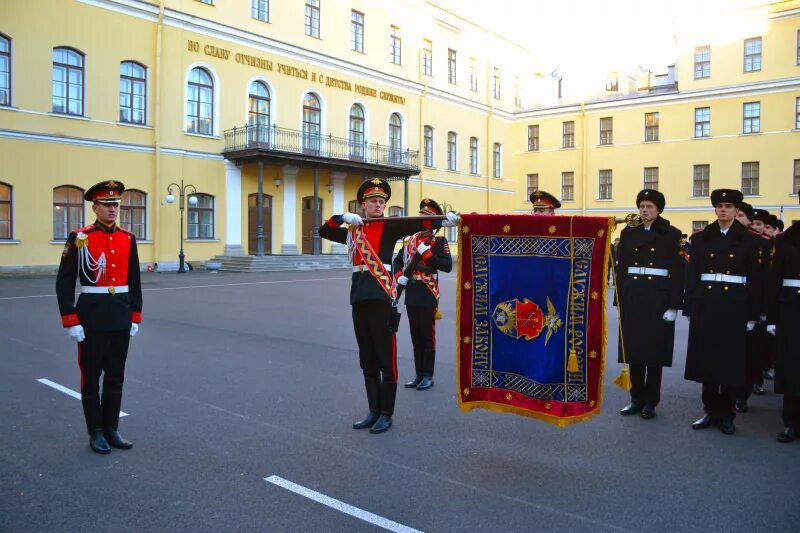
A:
(650, 277)
(723, 287)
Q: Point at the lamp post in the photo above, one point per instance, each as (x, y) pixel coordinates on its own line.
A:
(181, 205)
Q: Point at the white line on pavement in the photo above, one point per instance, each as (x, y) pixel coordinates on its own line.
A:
(361, 514)
(68, 392)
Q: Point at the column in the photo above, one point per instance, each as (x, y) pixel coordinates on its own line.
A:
(289, 174)
(338, 206)
(233, 209)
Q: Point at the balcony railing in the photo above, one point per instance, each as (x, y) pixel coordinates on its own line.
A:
(282, 140)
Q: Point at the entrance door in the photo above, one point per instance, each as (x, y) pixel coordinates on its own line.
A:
(310, 225)
(252, 223)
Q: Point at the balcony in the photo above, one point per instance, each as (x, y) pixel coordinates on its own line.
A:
(284, 146)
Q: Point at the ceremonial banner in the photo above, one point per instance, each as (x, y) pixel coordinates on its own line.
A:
(531, 315)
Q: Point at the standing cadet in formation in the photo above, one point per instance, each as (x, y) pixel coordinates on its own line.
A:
(650, 270)
(762, 220)
(544, 203)
(373, 293)
(416, 267)
(104, 258)
(723, 287)
(784, 318)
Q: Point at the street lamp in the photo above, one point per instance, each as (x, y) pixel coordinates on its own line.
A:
(181, 204)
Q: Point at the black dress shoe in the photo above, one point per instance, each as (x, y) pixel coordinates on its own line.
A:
(425, 384)
(758, 389)
(703, 423)
(98, 443)
(648, 411)
(383, 424)
(115, 439)
(631, 408)
(368, 422)
(726, 426)
(413, 383)
(789, 434)
(741, 406)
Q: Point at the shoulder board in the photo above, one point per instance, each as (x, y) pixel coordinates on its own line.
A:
(125, 231)
(86, 229)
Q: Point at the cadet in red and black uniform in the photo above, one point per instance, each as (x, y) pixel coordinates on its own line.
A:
(373, 293)
(416, 267)
(544, 203)
(104, 258)
(722, 298)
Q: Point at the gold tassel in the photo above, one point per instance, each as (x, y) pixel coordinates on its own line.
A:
(623, 381)
(572, 361)
(438, 315)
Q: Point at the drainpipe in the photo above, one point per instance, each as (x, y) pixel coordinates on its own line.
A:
(157, 132)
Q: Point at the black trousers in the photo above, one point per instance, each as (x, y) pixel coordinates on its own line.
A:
(102, 353)
(719, 400)
(377, 353)
(646, 383)
(791, 410)
(422, 323)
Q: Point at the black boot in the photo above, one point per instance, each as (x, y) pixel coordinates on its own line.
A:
(414, 382)
(789, 434)
(368, 422)
(388, 395)
(632, 408)
(425, 384)
(115, 439)
(373, 388)
(98, 443)
(648, 410)
(383, 424)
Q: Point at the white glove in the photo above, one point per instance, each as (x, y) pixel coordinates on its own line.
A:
(771, 329)
(452, 220)
(670, 315)
(422, 248)
(352, 219)
(134, 329)
(76, 332)
(751, 324)
(762, 318)
(402, 280)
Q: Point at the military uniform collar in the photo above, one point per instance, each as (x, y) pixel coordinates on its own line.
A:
(105, 229)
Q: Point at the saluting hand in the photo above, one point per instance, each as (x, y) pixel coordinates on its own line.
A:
(422, 248)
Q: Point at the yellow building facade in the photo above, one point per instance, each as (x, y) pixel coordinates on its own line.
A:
(308, 98)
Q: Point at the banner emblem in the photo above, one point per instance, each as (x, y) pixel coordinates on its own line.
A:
(525, 318)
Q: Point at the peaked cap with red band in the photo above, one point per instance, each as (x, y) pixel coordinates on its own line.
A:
(106, 192)
(430, 207)
(544, 199)
(372, 188)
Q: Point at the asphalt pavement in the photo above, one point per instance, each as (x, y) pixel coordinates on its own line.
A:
(240, 393)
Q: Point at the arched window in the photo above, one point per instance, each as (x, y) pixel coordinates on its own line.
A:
(395, 138)
(357, 131)
(200, 102)
(473, 155)
(132, 92)
(312, 123)
(133, 212)
(5, 70)
(428, 146)
(258, 112)
(497, 161)
(395, 211)
(67, 211)
(68, 76)
(452, 155)
(200, 223)
(6, 204)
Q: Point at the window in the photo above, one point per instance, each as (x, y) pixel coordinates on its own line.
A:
(312, 18)
(395, 137)
(200, 222)
(428, 146)
(5, 71)
(452, 155)
(357, 31)
(651, 178)
(67, 81)
(67, 211)
(6, 227)
(702, 122)
(451, 66)
(752, 54)
(133, 212)
(473, 155)
(605, 185)
(312, 123)
(473, 76)
(395, 46)
(209, 2)
(132, 93)
(797, 113)
(567, 186)
(533, 138)
(568, 134)
(427, 57)
(796, 180)
(496, 84)
(200, 102)
(395, 211)
(258, 120)
(701, 181)
(612, 82)
(752, 117)
(259, 10)
(650, 127)
(357, 137)
(606, 130)
(702, 62)
(750, 179)
(699, 225)
(354, 207)
(497, 160)
(533, 185)
(797, 62)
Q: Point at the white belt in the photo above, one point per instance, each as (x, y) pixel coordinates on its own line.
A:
(649, 271)
(104, 290)
(363, 268)
(724, 278)
(791, 283)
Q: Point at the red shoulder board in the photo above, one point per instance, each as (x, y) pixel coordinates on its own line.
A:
(84, 229)
(125, 231)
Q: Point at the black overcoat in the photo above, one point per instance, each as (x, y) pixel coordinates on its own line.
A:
(784, 311)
